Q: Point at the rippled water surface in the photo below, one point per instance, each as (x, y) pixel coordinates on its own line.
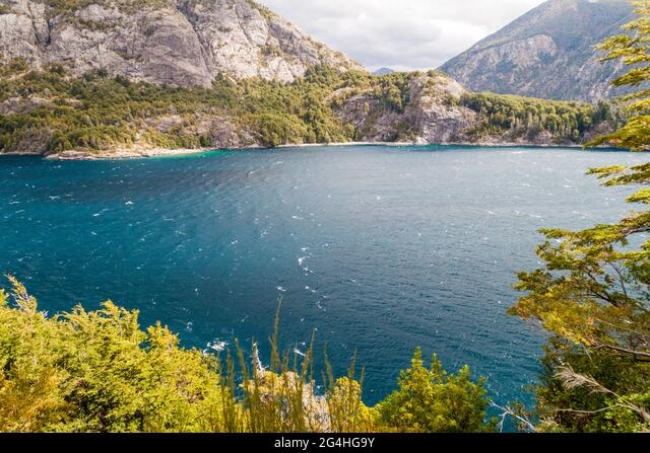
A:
(377, 249)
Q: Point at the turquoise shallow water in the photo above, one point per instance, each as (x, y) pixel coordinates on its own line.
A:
(377, 249)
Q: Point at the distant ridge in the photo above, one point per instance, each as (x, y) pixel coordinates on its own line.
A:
(548, 52)
(383, 71)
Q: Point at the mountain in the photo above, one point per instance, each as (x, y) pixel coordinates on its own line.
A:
(548, 52)
(176, 42)
(382, 71)
(122, 78)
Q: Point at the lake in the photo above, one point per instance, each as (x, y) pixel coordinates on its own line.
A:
(375, 249)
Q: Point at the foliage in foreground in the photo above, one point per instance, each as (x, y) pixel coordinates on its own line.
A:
(593, 293)
(430, 400)
(99, 372)
(633, 51)
(593, 297)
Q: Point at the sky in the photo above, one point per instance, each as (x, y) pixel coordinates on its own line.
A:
(400, 34)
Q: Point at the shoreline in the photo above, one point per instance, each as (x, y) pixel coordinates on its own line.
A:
(143, 153)
(418, 144)
(121, 154)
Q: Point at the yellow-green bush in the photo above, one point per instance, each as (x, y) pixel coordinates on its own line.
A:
(100, 372)
(431, 400)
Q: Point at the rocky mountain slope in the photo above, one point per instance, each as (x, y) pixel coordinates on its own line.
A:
(548, 52)
(127, 78)
(176, 42)
(423, 108)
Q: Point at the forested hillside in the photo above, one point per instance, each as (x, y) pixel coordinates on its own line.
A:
(48, 111)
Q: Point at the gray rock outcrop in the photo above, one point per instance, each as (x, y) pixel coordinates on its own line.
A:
(430, 115)
(176, 42)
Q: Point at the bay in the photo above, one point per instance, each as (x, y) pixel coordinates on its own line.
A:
(374, 249)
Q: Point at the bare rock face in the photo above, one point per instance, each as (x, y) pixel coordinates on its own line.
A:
(431, 113)
(176, 42)
(548, 52)
(438, 117)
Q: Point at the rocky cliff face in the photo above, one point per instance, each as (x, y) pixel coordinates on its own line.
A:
(176, 42)
(548, 52)
(430, 114)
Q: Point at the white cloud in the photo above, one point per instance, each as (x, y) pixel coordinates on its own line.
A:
(404, 34)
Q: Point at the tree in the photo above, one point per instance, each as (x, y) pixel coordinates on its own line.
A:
(593, 293)
(430, 400)
(633, 49)
(592, 296)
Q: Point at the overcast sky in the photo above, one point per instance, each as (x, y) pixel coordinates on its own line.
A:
(400, 34)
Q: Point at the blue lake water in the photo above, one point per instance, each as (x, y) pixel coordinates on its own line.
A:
(376, 249)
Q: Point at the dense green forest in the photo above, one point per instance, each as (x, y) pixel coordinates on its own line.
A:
(48, 111)
(97, 112)
(529, 117)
